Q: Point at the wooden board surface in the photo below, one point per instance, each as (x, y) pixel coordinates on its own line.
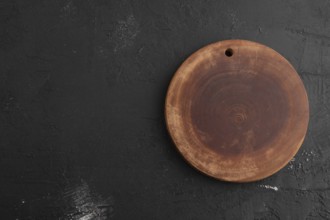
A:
(237, 111)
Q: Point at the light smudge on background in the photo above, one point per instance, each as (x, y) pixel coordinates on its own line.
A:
(68, 10)
(124, 33)
(83, 204)
(236, 23)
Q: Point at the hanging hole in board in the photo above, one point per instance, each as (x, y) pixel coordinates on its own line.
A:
(229, 52)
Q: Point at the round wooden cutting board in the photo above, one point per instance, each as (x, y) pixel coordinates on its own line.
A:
(237, 111)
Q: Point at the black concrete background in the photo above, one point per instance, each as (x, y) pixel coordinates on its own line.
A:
(82, 88)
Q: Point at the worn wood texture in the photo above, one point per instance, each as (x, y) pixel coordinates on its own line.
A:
(237, 111)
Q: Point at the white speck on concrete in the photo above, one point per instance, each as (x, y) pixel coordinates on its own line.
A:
(275, 188)
(309, 156)
(291, 164)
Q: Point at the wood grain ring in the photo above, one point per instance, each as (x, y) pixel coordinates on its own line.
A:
(237, 111)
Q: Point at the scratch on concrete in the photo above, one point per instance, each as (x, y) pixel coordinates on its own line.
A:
(86, 205)
(124, 33)
(305, 33)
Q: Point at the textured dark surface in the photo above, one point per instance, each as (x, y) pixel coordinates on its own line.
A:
(82, 88)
